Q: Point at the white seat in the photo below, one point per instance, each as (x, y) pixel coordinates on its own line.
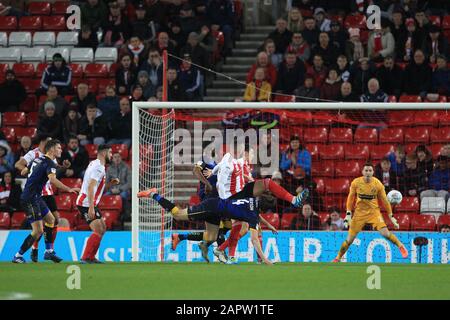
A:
(3, 39)
(65, 52)
(44, 38)
(20, 39)
(10, 55)
(432, 205)
(67, 38)
(82, 55)
(106, 55)
(448, 206)
(34, 55)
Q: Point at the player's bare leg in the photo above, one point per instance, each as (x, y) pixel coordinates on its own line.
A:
(345, 245)
(98, 228)
(392, 238)
(49, 228)
(36, 232)
(262, 185)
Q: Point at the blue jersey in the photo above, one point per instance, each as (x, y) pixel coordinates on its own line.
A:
(39, 170)
(212, 180)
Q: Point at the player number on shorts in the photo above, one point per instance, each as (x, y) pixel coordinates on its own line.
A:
(240, 201)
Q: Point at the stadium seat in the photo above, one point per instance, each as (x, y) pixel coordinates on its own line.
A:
(322, 168)
(25, 131)
(40, 69)
(287, 219)
(392, 135)
(344, 135)
(44, 39)
(3, 39)
(357, 152)
(272, 218)
(324, 216)
(23, 70)
(65, 52)
(60, 7)
(320, 185)
(111, 218)
(446, 22)
(432, 205)
(440, 135)
(112, 202)
(71, 216)
(194, 200)
(5, 220)
(8, 23)
(319, 135)
(408, 204)
(32, 118)
(435, 149)
(410, 98)
(67, 39)
(313, 150)
(336, 186)
(378, 152)
(39, 8)
(72, 182)
(31, 85)
(64, 202)
(34, 55)
(82, 55)
(404, 221)
(322, 118)
(418, 135)
(96, 70)
(435, 20)
(13, 119)
(77, 70)
(91, 150)
(18, 219)
(30, 23)
(10, 134)
(443, 219)
(348, 169)
(355, 21)
(3, 68)
(400, 117)
(335, 201)
(426, 118)
(290, 98)
(392, 99)
(112, 70)
(106, 55)
(287, 133)
(19, 39)
(10, 55)
(103, 83)
(54, 23)
(423, 222)
(332, 152)
(122, 149)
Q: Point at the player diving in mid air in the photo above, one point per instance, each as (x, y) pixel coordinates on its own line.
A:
(368, 190)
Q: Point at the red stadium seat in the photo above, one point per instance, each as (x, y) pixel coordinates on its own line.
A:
(427, 118)
(91, 150)
(80, 224)
(284, 98)
(392, 99)
(72, 182)
(357, 151)
(41, 68)
(313, 149)
(423, 222)
(286, 220)
(410, 98)
(112, 69)
(5, 220)
(443, 219)
(13, 119)
(324, 216)
(29, 105)
(77, 70)
(96, 70)
(348, 169)
(30, 23)
(446, 22)
(103, 83)
(64, 202)
(3, 67)
(391, 135)
(335, 201)
(400, 117)
(322, 118)
(366, 135)
(194, 200)
(418, 135)
(8, 23)
(355, 21)
(320, 185)
(111, 218)
(410, 147)
(339, 186)
(435, 20)
(408, 204)
(113, 202)
(122, 149)
(17, 220)
(71, 216)
(24, 70)
(319, 135)
(59, 7)
(344, 135)
(436, 149)
(54, 23)
(31, 85)
(440, 135)
(39, 8)
(10, 134)
(32, 119)
(27, 131)
(403, 219)
(272, 218)
(332, 152)
(322, 168)
(380, 151)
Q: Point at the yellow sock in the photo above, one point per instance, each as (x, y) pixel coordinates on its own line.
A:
(175, 210)
(394, 240)
(50, 225)
(343, 249)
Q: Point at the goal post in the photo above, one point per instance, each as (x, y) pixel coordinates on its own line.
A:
(152, 150)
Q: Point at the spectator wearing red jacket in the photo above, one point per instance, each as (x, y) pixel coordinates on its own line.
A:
(299, 46)
(318, 70)
(262, 61)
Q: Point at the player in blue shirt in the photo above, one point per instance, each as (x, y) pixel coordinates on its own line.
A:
(41, 170)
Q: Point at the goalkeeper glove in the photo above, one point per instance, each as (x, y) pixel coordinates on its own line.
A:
(348, 219)
(394, 222)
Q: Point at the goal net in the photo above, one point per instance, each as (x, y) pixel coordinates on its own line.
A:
(338, 138)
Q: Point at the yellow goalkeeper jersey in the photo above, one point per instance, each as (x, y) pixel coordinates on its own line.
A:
(367, 195)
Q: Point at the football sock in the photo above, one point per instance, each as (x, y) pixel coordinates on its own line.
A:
(96, 244)
(55, 232)
(233, 233)
(36, 243)
(278, 191)
(343, 249)
(166, 204)
(91, 246)
(27, 243)
(394, 240)
(234, 238)
(221, 236)
(48, 236)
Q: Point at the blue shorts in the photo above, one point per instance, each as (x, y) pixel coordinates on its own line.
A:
(35, 209)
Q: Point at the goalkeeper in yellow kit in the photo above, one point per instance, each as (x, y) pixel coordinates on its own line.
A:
(368, 190)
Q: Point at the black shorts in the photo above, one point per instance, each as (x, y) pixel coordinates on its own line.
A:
(247, 192)
(51, 202)
(84, 213)
(205, 211)
(35, 209)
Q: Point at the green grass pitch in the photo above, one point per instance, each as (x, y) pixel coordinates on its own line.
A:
(179, 281)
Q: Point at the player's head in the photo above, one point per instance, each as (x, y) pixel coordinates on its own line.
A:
(104, 151)
(53, 148)
(367, 170)
(41, 140)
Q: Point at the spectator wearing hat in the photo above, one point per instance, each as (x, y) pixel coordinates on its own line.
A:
(12, 93)
(59, 102)
(439, 180)
(137, 49)
(363, 72)
(311, 32)
(258, 90)
(9, 192)
(116, 29)
(71, 122)
(94, 13)
(120, 124)
(411, 41)
(281, 36)
(436, 44)
(300, 47)
(148, 89)
(441, 77)
(323, 23)
(390, 77)
(50, 123)
(6, 158)
(190, 79)
(381, 42)
(318, 70)
(77, 156)
(83, 98)
(418, 75)
(354, 48)
(141, 27)
(346, 94)
(308, 92)
(290, 74)
(93, 128)
(87, 38)
(338, 36)
(332, 86)
(126, 74)
(296, 156)
(295, 20)
(262, 61)
(109, 104)
(57, 74)
(154, 67)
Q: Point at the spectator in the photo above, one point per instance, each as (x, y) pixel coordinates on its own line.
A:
(262, 61)
(157, 12)
(78, 158)
(93, 129)
(24, 147)
(398, 160)
(308, 220)
(386, 175)
(141, 27)
(436, 44)
(424, 159)
(50, 123)
(137, 94)
(334, 222)
(258, 90)
(119, 170)
(9, 193)
(83, 98)
(270, 49)
(445, 228)
(281, 36)
(418, 75)
(398, 28)
(290, 74)
(220, 14)
(445, 150)
(412, 41)
(318, 71)
(354, 48)
(441, 77)
(422, 23)
(108, 106)
(323, 24)
(332, 86)
(136, 49)
(296, 156)
(343, 68)
(190, 80)
(300, 47)
(12, 93)
(6, 158)
(174, 91)
(177, 35)
(325, 49)
(198, 54)
(127, 9)
(154, 67)
(390, 77)
(121, 125)
(438, 182)
(125, 75)
(413, 181)
(362, 73)
(87, 38)
(71, 122)
(295, 20)
(374, 94)
(148, 89)
(346, 94)
(308, 92)
(94, 13)
(311, 32)
(163, 42)
(59, 102)
(116, 29)
(188, 21)
(338, 37)
(381, 43)
(57, 74)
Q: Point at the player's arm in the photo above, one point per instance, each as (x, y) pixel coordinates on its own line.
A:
(257, 246)
(22, 166)
(268, 225)
(54, 181)
(198, 173)
(90, 196)
(349, 205)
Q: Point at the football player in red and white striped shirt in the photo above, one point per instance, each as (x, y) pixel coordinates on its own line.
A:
(88, 199)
